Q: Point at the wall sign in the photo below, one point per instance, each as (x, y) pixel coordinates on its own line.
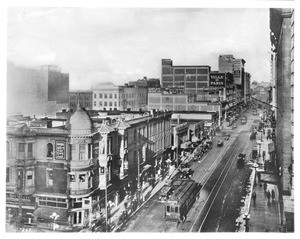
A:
(60, 149)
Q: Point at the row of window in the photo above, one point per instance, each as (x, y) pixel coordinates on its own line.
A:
(105, 103)
(84, 104)
(106, 95)
(52, 202)
(80, 98)
(170, 70)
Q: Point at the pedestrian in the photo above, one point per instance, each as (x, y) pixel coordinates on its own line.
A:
(268, 195)
(254, 196)
(265, 186)
(273, 194)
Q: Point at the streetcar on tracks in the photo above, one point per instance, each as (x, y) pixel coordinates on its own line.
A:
(182, 199)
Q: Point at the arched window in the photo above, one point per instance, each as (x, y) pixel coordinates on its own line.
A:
(49, 150)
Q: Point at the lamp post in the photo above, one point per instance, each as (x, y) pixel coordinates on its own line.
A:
(106, 206)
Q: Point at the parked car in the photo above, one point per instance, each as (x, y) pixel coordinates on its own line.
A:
(186, 173)
(220, 143)
(241, 160)
(227, 136)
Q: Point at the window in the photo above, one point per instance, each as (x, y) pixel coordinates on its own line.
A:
(110, 103)
(95, 103)
(49, 178)
(30, 147)
(95, 95)
(176, 209)
(21, 150)
(168, 208)
(110, 95)
(52, 202)
(105, 96)
(7, 174)
(81, 178)
(100, 103)
(7, 148)
(77, 217)
(81, 151)
(115, 103)
(72, 177)
(105, 103)
(49, 150)
(29, 178)
(100, 95)
(116, 96)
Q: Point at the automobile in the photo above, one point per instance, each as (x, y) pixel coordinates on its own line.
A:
(220, 143)
(186, 173)
(227, 136)
(241, 160)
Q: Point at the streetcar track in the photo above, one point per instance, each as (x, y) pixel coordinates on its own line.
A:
(227, 167)
(233, 148)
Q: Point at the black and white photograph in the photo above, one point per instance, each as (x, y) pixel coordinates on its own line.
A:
(152, 118)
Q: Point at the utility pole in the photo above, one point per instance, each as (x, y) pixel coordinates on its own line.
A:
(138, 182)
(106, 206)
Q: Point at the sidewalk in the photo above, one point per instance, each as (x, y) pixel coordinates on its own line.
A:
(264, 212)
(146, 194)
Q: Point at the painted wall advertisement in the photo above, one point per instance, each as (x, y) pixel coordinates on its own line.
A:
(60, 149)
(217, 79)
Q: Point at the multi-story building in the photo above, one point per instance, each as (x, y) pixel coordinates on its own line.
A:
(247, 83)
(145, 82)
(63, 170)
(83, 98)
(227, 63)
(282, 39)
(54, 169)
(41, 91)
(133, 98)
(106, 96)
(191, 79)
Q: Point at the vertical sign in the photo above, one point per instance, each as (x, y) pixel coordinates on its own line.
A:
(60, 149)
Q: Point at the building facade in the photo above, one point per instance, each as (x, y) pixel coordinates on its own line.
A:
(190, 79)
(83, 98)
(133, 98)
(106, 96)
(65, 170)
(282, 39)
(40, 91)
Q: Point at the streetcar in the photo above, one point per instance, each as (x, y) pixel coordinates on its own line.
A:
(182, 199)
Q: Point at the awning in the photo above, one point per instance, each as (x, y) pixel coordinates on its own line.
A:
(185, 145)
(46, 212)
(145, 168)
(195, 139)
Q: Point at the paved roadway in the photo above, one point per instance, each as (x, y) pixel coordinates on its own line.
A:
(220, 196)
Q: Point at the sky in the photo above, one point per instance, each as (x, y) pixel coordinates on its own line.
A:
(125, 44)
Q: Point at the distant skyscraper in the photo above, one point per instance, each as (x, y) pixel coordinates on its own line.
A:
(39, 91)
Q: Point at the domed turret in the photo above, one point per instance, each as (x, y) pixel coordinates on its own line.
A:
(80, 123)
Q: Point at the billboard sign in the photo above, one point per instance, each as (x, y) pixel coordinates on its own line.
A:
(217, 79)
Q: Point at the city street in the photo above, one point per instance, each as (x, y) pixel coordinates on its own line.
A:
(220, 196)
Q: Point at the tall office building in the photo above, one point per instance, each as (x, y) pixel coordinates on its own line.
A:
(188, 78)
(39, 91)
